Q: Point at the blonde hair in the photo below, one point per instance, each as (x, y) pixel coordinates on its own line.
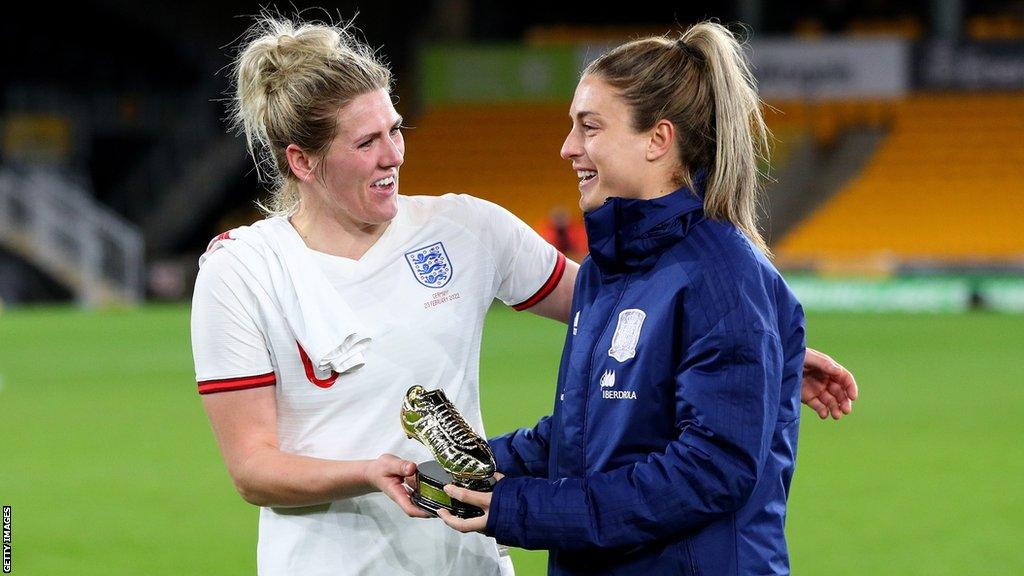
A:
(290, 80)
(701, 82)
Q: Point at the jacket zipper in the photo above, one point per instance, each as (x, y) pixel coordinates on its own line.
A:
(590, 370)
(694, 569)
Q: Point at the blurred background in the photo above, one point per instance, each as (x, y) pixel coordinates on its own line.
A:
(894, 207)
(899, 149)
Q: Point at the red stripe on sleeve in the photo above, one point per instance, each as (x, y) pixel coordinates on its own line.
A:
(547, 288)
(218, 238)
(243, 383)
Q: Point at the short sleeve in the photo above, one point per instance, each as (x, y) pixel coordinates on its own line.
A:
(228, 346)
(528, 267)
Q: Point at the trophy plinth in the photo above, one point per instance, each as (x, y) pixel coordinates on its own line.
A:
(430, 495)
(461, 456)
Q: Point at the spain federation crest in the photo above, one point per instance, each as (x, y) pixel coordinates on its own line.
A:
(430, 265)
(627, 334)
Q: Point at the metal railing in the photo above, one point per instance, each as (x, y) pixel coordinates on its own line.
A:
(56, 225)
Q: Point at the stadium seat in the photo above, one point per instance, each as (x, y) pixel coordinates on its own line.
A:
(946, 184)
(508, 154)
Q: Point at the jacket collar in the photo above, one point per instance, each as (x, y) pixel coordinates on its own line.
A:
(627, 235)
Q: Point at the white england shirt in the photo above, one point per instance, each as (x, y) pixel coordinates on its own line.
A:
(422, 292)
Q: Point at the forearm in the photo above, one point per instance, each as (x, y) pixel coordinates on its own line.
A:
(694, 482)
(508, 461)
(270, 477)
(524, 452)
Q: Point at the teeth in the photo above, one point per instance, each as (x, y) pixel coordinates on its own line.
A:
(385, 181)
(585, 174)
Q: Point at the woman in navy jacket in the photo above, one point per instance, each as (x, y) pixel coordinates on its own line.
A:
(673, 439)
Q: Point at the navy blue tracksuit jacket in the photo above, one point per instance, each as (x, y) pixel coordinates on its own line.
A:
(673, 439)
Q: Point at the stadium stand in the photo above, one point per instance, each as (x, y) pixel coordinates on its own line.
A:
(508, 154)
(946, 184)
(996, 27)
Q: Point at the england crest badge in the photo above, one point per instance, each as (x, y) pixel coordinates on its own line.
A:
(627, 334)
(430, 265)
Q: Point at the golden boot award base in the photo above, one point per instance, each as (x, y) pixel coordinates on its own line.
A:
(461, 456)
(429, 493)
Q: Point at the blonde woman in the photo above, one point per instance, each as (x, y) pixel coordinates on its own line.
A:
(673, 440)
(321, 450)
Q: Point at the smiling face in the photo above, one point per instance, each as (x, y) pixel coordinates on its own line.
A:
(609, 156)
(359, 172)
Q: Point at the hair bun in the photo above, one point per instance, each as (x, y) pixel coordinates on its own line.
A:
(291, 78)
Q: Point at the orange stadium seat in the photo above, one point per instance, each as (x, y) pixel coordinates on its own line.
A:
(508, 154)
(995, 27)
(947, 184)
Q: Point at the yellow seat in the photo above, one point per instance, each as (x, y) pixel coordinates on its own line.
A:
(946, 184)
(508, 154)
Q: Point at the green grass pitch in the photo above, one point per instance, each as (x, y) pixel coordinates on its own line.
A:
(110, 467)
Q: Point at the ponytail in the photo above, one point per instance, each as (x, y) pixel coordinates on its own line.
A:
(741, 137)
(700, 82)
